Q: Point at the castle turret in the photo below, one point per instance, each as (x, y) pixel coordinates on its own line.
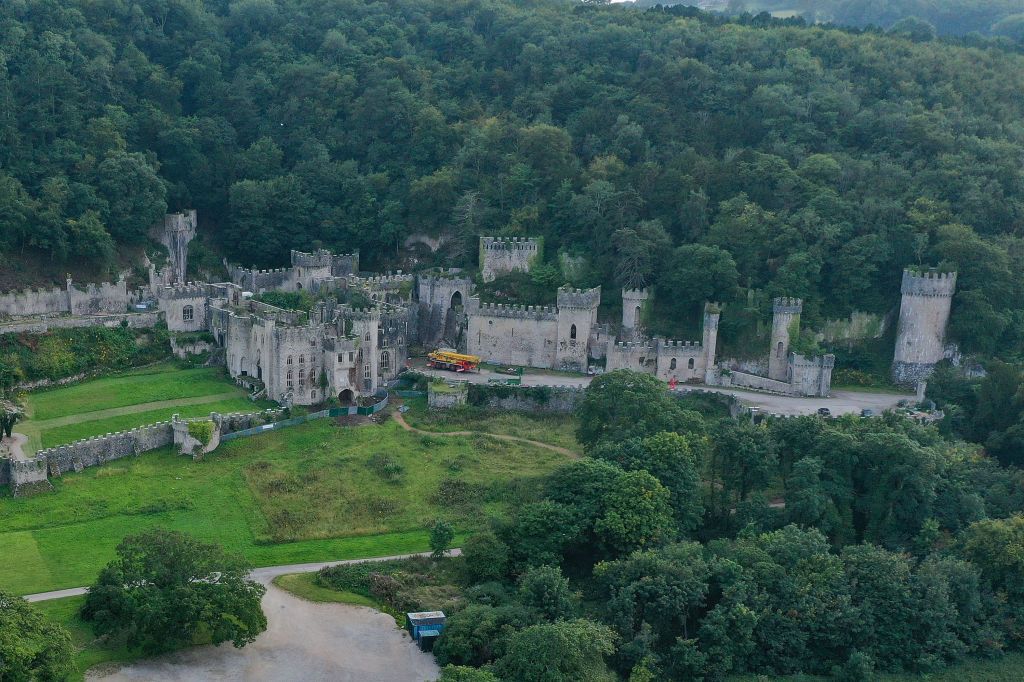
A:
(499, 255)
(785, 316)
(712, 313)
(633, 301)
(921, 334)
(577, 314)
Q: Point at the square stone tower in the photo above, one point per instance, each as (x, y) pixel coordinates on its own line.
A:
(577, 314)
(926, 298)
(785, 316)
(499, 255)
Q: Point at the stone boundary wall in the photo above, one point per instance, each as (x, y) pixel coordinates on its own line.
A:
(43, 325)
(744, 380)
(105, 297)
(448, 398)
(534, 399)
(97, 450)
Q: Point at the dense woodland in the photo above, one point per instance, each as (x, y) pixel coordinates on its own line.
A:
(921, 19)
(688, 546)
(663, 145)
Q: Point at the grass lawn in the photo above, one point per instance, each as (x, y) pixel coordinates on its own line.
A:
(303, 585)
(314, 492)
(145, 396)
(71, 432)
(554, 429)
(147, 385)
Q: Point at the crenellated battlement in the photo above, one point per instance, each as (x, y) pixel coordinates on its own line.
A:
(680, 345)
(447, 276)
(568, 297)
(636, 294)
(632, 346)
(929, 282)
(321, 258)
(180, 291)
(533, 312)
(827, 361)
(510, 243)
(785, 304)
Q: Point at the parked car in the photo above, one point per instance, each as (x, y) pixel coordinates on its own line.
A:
(867, 412)
(824, 412)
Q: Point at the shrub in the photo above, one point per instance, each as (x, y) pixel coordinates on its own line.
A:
(202, 431)
(485, 557)
(441, 536)
(387, 467)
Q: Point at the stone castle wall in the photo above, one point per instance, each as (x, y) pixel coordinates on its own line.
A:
(43, 325)
(512, 335)
(93, 299)
(500, 255)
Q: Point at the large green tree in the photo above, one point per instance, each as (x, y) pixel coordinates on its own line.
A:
(32, 647)
(165, 589)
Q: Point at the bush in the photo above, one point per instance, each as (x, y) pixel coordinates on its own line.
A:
(441, 535)
(387, 467)
(202, 431)
(485, 557)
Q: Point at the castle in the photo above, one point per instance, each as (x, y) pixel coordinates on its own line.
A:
(344, 352)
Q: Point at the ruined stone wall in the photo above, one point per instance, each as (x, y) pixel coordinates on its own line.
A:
(43, 325)
(499, 255)
(512, 335)
(534, 399)
(93, 299)
(742, 379)
(440, 297)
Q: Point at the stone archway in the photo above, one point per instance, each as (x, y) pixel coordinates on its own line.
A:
(347, 397)
(456, 301)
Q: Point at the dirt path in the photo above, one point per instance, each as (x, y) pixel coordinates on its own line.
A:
(500, 436)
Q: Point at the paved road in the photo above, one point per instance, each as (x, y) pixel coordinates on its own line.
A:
(264, 575)
(841, 402)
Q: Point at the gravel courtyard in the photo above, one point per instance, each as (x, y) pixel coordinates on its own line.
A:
(304, 641)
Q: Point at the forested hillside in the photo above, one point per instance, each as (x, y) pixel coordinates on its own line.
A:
(947, 17)
(786, 160)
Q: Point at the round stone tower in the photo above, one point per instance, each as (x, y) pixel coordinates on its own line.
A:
(633, 301)
(785, 316)
(921, 333)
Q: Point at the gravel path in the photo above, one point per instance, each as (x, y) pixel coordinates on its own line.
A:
(304, 642)
(14, 443)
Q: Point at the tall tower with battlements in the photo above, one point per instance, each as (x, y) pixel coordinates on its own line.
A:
(785, 316)
(633, 301)
(712, 314)
(926, 298)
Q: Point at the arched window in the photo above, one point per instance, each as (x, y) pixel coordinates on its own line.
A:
(302, 359)
(689, 364)
(302, 380)
(366, 371)
(298, 285)
(367, 337)
(672, 365)
(288, 361)
(778, 350)
(187, 313)
(636, 320)
(289, 383)
(385, 360)
(312, 395)
(572, 332)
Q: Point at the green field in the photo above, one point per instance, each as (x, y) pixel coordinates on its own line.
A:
(115, 403)
(308, 493)
(554, 429)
